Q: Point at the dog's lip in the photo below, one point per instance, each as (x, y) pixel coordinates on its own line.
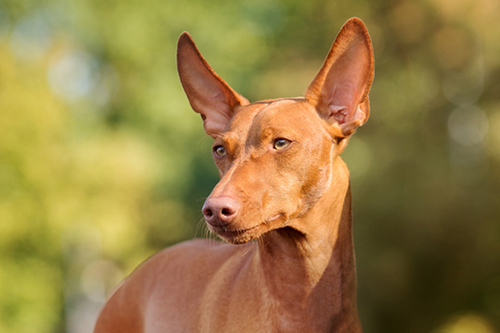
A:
(276, 217)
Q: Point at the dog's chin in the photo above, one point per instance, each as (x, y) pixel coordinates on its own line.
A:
(234, 235)
(238, 236)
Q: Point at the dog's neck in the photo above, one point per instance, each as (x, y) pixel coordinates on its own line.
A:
(314, 268)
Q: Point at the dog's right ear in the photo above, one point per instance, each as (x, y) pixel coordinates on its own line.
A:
(208, 94)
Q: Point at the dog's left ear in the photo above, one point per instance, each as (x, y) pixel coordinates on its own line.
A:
(340, 89)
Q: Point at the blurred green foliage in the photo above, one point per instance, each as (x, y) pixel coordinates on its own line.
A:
(102, 162)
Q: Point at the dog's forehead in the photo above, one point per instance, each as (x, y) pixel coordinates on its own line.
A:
(279, 113)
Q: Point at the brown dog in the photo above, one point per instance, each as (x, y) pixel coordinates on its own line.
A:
(282, 184)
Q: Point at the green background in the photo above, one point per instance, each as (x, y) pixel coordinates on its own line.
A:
(102, 162)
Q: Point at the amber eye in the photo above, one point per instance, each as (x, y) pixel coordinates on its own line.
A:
(281, 143)
(220, 151)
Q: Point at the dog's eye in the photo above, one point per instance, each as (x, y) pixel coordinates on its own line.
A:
(220, 151)
(281, 143)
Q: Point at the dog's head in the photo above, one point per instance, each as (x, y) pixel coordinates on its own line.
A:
(276, 157)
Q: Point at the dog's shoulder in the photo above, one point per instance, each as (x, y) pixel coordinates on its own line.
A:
(196, 259)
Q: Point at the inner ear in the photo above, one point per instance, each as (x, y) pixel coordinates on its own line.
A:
(340, 89)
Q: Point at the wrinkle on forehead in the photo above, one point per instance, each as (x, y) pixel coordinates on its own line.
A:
(241, 123)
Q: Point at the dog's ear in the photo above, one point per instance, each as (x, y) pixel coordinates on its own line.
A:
(208, 94)
(340, 89)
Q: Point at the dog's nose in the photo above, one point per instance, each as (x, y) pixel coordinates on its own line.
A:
(220, 211)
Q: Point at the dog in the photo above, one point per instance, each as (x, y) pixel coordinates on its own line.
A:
(282, 206)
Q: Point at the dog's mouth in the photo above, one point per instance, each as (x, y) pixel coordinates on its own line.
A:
(235, 235)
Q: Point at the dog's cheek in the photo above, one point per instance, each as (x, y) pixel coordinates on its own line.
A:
(319, 174)
(282, 192)
(297, 189)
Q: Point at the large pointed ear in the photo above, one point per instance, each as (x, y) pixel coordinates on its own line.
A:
(340, 89)
(208, 94)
